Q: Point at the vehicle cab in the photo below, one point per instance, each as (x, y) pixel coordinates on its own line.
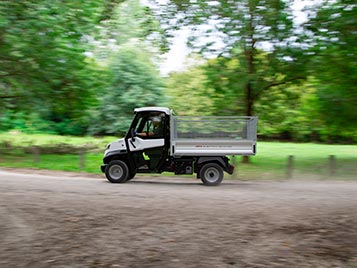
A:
(145, 147)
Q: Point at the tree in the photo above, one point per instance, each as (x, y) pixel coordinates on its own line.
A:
(43, 68)
(135, 82)
(128, 48)
(130, 22)
(241, 30)
(244, 30)
(187, 93)
(332, 34)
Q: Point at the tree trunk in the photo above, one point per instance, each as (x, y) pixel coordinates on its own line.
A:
(249, 52)
(248, 112)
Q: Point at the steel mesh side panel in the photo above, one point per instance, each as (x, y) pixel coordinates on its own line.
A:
(214, 127)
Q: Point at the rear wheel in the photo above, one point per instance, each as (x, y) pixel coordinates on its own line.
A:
(211, 174)
(117, 171)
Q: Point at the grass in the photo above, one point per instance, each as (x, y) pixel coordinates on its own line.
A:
(66, 162)
(310, 160)
(16, 138)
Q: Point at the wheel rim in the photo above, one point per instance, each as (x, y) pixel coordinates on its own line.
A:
(211, 174)
(116, 172)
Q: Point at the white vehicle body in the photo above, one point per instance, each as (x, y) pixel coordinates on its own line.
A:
(180, 144)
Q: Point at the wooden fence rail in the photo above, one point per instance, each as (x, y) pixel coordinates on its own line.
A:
(331, 166)
(36, 152)
(290, 166)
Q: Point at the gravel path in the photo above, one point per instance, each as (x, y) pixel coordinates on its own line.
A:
(56, 219)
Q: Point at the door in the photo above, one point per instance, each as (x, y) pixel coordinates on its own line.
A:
(147, 139)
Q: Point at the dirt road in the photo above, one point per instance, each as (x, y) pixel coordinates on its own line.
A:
(63, 220)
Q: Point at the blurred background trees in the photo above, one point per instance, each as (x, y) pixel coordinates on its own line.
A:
(134, 82)
(80, 67)
(333, 39)
(252, 40)
(44, 73)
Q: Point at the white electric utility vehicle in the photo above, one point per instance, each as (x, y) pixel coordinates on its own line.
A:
(159, 141)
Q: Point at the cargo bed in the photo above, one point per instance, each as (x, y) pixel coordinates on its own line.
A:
(213, 136)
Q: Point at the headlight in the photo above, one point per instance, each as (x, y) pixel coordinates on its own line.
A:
(108, 146)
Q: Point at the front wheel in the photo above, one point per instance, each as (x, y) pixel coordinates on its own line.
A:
(211, 174)
(131, 176)
(117, 171)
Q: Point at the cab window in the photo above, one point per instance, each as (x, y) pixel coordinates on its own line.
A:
(150, 125)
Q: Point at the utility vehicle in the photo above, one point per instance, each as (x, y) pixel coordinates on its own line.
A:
(159, 141)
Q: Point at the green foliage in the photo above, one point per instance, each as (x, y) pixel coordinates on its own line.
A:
(224, 75)
(130, 23)
(69, 66)
(334, 36)
(19, 138)
(187, 93)
(239, 32)
(135, 83)
(34, 123)
(287, 112)
(43, 68)
(262, 56)
(127, 48)
(29, 123)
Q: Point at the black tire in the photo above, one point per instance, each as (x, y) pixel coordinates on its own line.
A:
(117, 171)
(131, 176)
(211, 174)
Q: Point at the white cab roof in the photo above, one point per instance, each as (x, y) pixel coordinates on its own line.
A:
(153, 109)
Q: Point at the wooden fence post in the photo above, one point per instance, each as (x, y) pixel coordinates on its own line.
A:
(234, 163)
(332, 165)
(82, 159)
(36, 154)
(290, 167)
